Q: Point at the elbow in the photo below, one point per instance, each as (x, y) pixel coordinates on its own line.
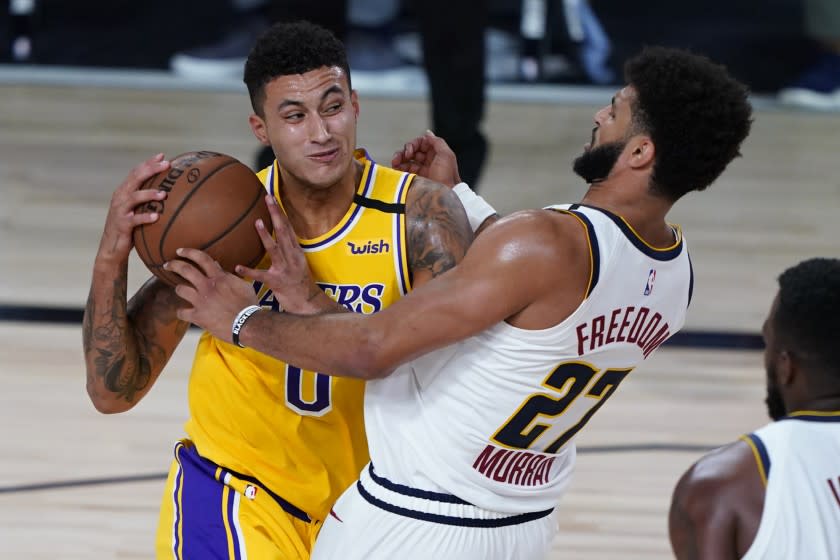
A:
(105, 405)
(370, 360)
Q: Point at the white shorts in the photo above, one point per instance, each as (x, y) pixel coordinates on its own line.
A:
(377, 519)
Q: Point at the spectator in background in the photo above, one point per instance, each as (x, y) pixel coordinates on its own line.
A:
(819, 86)
(453, 58)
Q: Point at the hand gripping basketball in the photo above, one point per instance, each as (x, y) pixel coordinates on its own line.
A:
(211, 204)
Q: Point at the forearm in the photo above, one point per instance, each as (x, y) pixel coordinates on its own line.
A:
(122, 359)
(336, 344)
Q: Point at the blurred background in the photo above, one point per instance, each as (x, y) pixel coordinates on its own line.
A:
(90, 88)
(764, 42)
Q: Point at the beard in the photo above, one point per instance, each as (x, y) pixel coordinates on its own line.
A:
(595, 164)
(775, 403)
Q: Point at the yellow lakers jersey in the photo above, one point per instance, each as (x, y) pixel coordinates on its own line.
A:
(301, 433)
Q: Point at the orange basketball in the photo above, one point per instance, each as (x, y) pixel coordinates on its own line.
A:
(212, 203)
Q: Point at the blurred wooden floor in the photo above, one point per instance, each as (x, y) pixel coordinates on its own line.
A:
(64, 149)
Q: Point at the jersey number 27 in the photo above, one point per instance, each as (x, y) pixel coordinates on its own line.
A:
(570, 380)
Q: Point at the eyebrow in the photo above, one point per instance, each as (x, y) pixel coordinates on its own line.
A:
(295, 103)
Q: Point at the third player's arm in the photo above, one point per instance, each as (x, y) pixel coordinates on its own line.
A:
(711, 505)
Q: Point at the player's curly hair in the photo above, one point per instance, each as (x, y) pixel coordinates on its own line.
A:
(290, 48)
(806, 316)
(696, 114)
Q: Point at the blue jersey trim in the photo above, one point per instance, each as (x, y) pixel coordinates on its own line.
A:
(401, 224)
(690, 278)
(350, 222)
(656, 254)
(414, 492)
(449, 519)
(762, 453)
(814, 416)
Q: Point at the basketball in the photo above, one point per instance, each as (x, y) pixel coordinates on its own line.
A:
(212, 203)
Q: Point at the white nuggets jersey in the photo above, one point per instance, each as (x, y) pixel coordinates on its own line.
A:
(492, 419)
(799, 460)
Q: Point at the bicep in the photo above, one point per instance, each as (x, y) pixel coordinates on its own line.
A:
(681, 526)
(437, 231)
(701, 522)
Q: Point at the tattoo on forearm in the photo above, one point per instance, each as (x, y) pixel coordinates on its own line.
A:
(436, 239)
(121, 348)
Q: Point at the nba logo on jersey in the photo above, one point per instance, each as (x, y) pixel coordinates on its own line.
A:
(250, 492)
(651, 278)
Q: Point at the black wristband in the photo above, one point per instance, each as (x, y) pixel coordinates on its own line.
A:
(239, 322)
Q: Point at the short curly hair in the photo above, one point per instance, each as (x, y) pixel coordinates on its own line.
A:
(695, 112)
(806, 319)
(290, 48)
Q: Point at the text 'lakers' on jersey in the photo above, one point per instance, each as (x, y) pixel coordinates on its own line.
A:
(301, 433)
(492, 419)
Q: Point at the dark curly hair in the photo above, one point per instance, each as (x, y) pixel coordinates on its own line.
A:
(290, 48)
(696, 114)
(806, 319)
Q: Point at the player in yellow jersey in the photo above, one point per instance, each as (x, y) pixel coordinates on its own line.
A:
(270, 446)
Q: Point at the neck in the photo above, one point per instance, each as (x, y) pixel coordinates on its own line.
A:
(644, 211)
(822, 404)
(313, 211)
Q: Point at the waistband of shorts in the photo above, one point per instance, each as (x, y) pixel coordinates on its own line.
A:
(210, 467)
(435, 507)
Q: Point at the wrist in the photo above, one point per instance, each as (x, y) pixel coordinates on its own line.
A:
(476, 207)
(454, 181)
(239, 323)
(109, 263)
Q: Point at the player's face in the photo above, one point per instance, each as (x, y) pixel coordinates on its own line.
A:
(613, 121)
(609, 137)
(310, 123)
(775, 402)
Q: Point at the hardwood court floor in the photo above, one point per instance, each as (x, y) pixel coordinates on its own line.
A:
(616, 506)
(63, 149)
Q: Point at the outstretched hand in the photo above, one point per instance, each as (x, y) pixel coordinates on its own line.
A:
(428, 156)
(216, 296)
(117, 240)
(288, 276)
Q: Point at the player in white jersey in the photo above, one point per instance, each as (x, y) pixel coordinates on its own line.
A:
(775, 493)
(524, 341)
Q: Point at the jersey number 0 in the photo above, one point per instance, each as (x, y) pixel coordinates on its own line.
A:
(319, 403)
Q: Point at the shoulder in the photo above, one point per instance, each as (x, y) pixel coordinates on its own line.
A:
(438, 231)
(432, 205)
(423, 189)
(719, 479)
(543, 233)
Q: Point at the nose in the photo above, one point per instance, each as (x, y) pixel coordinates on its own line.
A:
(319, 131)
(601, 115)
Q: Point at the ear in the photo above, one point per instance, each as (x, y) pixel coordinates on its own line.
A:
(354, 101)
(259, 129)
(787, 368)
(642, 152)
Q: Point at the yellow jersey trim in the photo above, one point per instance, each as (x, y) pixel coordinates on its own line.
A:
(759, 455)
